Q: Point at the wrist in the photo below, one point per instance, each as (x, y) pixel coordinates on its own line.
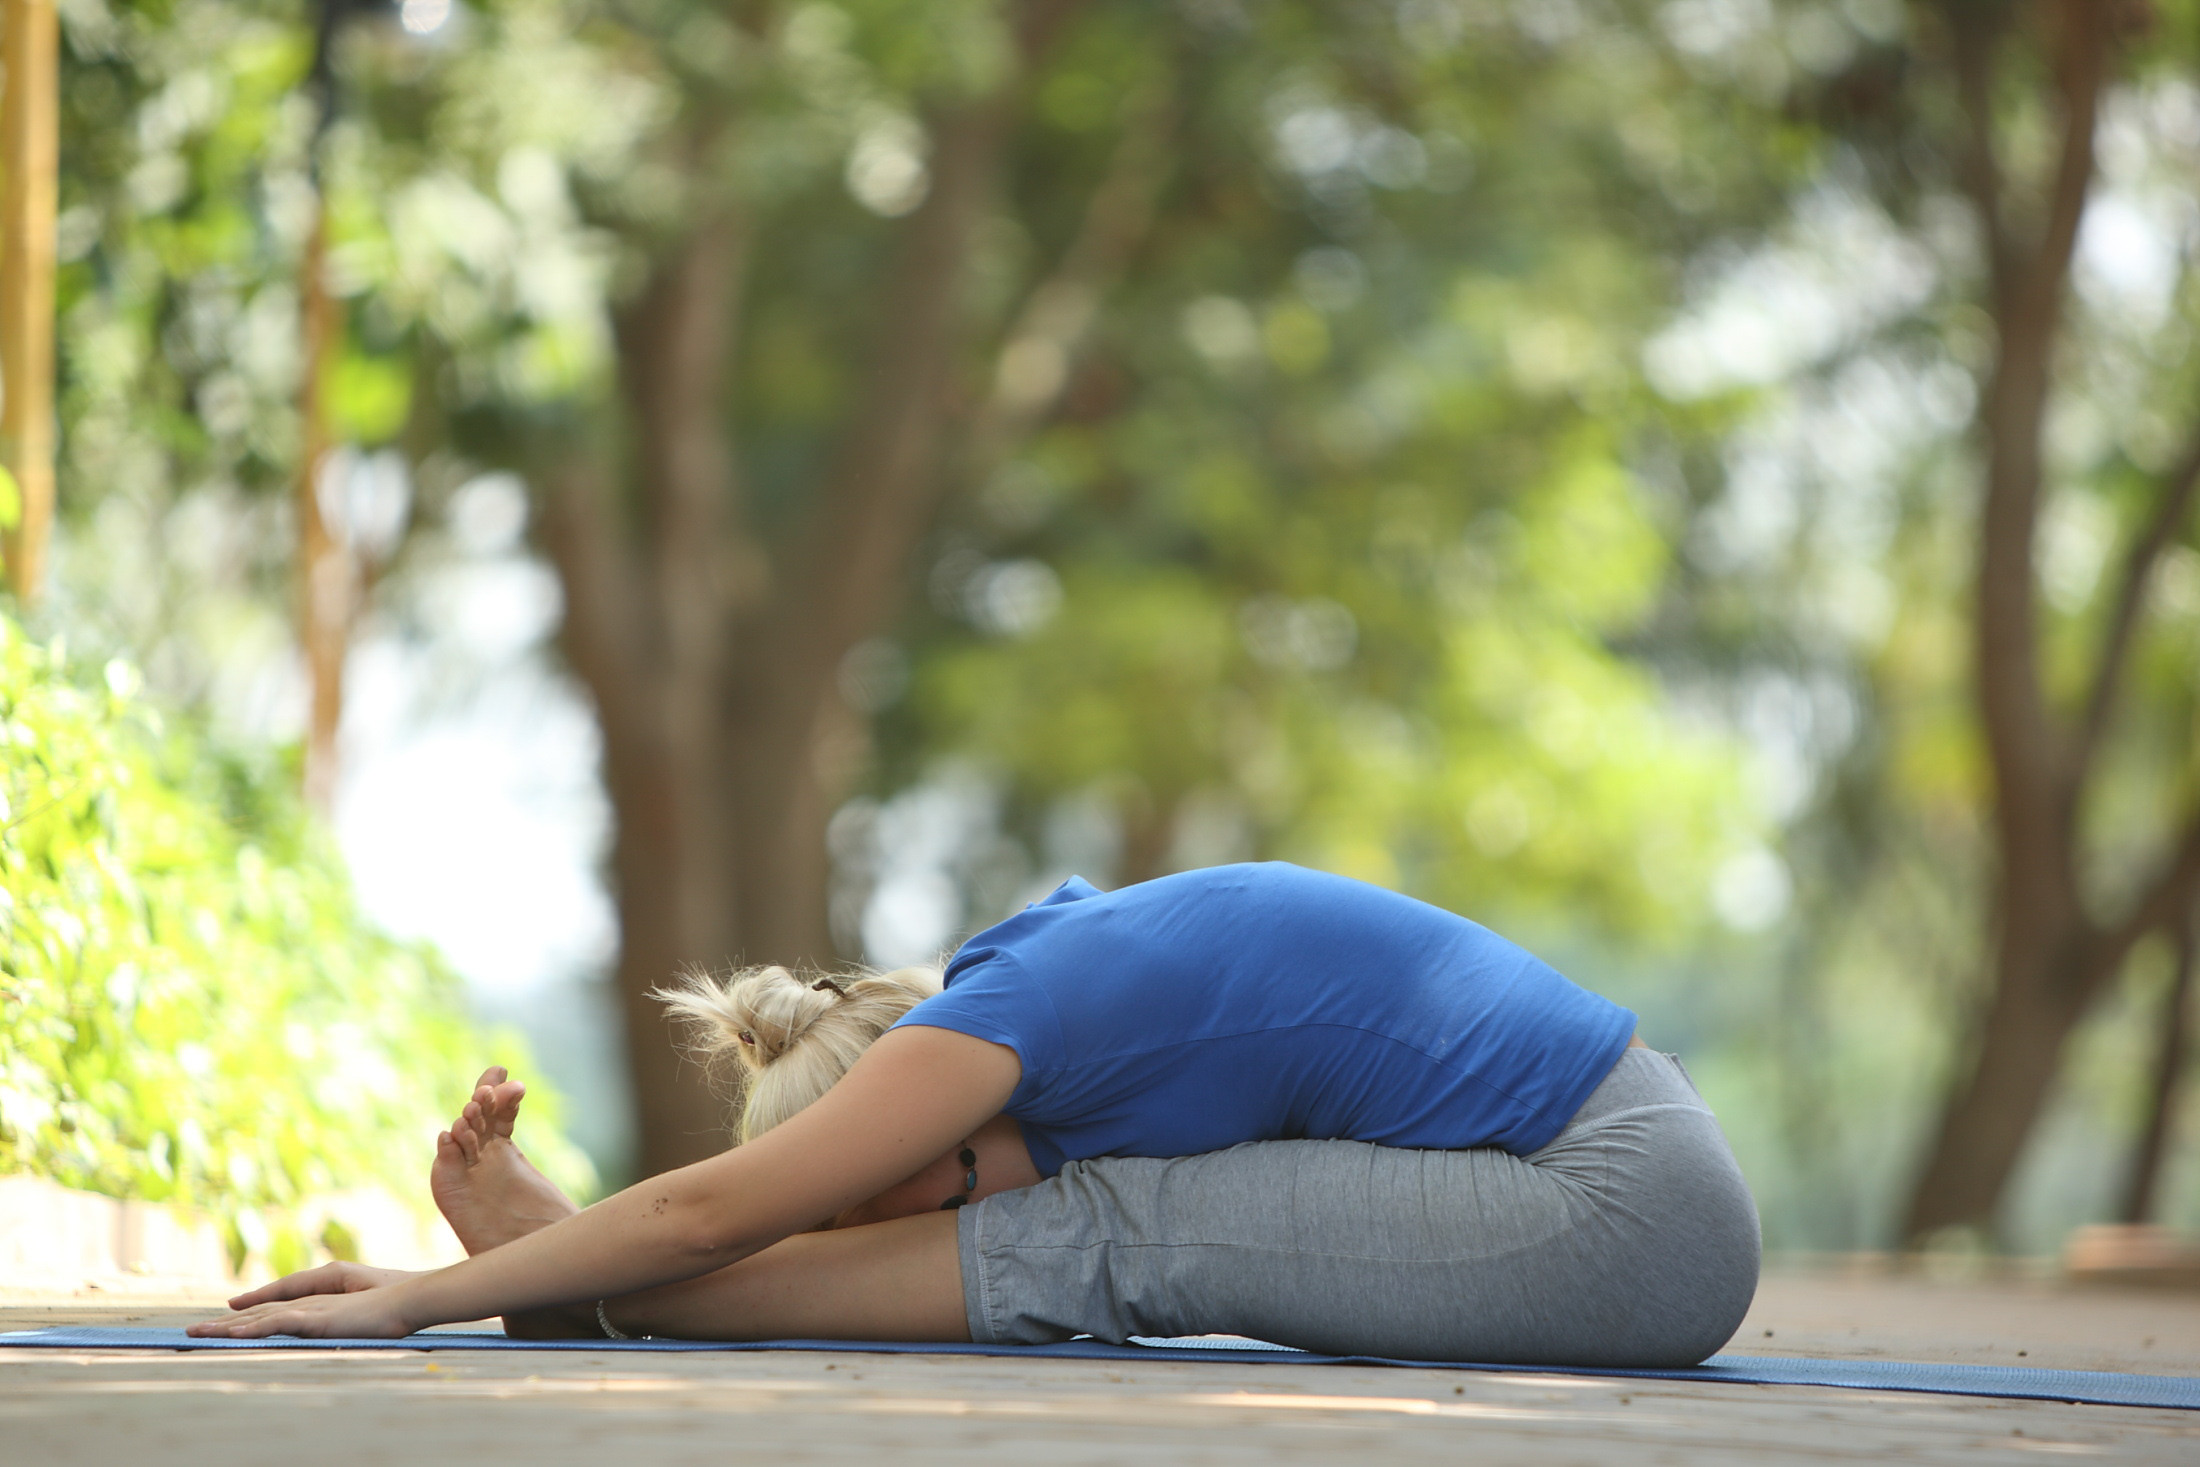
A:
(611, 1330)
(405, 1301)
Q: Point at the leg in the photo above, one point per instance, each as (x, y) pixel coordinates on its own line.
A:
(1630, 1240)
(483, 1184)
(897, 1280)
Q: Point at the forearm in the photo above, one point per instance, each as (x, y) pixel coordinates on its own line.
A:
(658, 1233)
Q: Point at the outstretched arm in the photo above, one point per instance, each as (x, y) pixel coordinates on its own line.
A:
(918, 1092)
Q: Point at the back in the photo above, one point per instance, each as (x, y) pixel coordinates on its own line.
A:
(1268, 1002)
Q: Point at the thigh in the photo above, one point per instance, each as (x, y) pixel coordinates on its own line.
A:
(1336, 1246)
(1628, 1244)
(897, 1280)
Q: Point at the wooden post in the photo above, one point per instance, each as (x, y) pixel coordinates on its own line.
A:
(30, 137)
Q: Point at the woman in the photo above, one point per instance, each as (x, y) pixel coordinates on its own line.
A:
(1253, 1100)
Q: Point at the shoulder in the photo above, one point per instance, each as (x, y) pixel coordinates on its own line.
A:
(991, 995)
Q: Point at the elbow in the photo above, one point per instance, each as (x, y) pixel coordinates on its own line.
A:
(703, 1231)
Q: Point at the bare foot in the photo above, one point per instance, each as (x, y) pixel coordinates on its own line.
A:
(486, 1189)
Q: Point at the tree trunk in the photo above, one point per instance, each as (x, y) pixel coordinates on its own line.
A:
(2169, 1070)
(717, 692)
(844, 578)
(2050, 956)
(30, 137)
(647, 599)
(2046, 960)
(2033, 1009)
(712, 655)
(328, 574)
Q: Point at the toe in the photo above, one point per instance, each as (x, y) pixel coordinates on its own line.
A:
(467, 1139)
(504, 1108)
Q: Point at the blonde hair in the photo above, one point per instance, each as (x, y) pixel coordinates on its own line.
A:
(792, 1034)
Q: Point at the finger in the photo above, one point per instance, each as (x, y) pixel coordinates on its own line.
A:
(326, 1279)
(279, 1322)
(232, 1326)
(358, 1278)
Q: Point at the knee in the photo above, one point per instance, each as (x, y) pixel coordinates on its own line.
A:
(1708, 1283)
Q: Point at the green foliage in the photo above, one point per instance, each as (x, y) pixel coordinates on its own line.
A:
(191, 1009)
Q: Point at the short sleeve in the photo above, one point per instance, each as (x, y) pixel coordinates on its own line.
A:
(1076, 889)
(989, 996)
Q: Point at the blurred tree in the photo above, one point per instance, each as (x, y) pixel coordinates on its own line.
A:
(2055, 945)
(1263, 399)
(2143, 1186)
(329, 594)
(893, 246)
(712, 581)
(1985, 159)
(866, 257)
(1341, 542)
(178, 240)
(710, 642)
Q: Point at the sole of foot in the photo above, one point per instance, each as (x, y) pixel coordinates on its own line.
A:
(483, 1184)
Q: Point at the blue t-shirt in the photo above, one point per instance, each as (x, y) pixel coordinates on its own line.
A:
(1268, 1002)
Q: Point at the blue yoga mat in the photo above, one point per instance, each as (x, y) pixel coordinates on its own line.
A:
(2079, 1387)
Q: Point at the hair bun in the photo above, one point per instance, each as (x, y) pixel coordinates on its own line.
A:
(795, 1033)
(770, 1009)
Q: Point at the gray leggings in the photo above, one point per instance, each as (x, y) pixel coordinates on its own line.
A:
(1631, 1239)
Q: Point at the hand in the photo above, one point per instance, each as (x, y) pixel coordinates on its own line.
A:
(334, 1301)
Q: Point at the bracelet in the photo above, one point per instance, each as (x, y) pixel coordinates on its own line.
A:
(610, 1330)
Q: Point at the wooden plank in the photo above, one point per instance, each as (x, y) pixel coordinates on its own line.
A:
(30, 141)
